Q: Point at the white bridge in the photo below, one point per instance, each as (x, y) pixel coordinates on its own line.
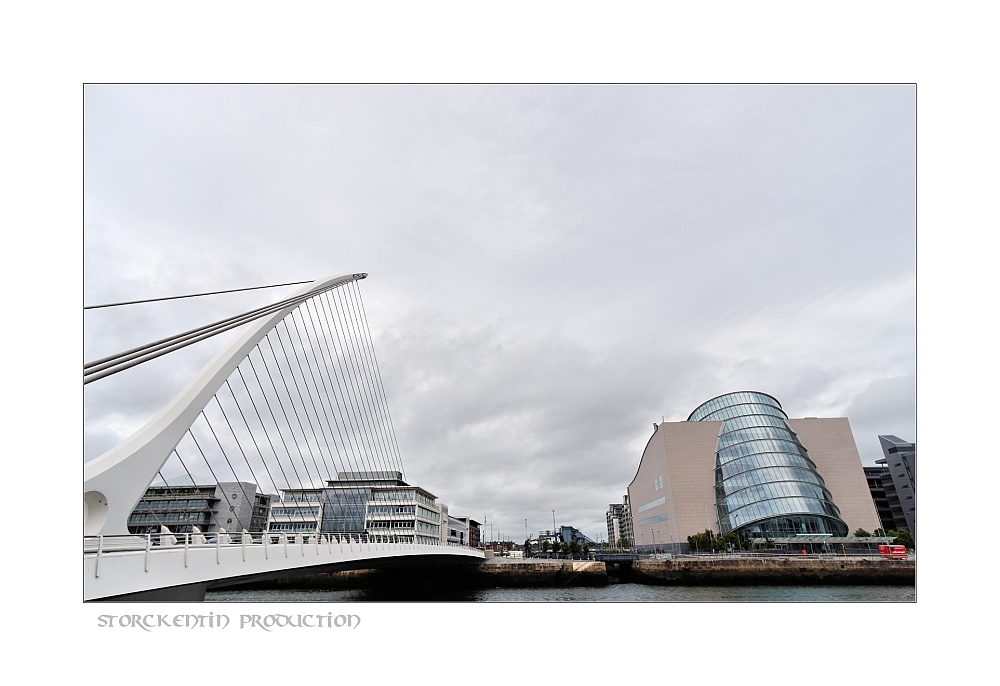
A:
(293, 401)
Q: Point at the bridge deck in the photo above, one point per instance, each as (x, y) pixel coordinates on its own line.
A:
(115, 572)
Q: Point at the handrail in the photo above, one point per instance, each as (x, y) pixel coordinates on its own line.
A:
(151, 542)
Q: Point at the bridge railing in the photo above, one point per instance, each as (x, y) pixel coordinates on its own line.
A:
(162, 540)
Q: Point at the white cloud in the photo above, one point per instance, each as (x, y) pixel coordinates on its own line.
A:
(552, 268)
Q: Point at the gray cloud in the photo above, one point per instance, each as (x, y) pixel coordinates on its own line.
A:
(886, 406)
(552, 268)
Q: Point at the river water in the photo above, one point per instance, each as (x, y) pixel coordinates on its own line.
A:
(612, 593)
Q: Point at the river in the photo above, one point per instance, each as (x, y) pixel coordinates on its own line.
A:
(612, 593)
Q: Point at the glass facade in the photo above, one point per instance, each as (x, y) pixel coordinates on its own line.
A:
(344, 510)
(765, 483)
(355, 508)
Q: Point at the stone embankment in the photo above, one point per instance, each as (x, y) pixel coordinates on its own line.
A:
(768, 571)
(514, 573)
(684, 571)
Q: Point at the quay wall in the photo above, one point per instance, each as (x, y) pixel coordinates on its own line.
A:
(502, 573)
(534, 573)
(770, 571)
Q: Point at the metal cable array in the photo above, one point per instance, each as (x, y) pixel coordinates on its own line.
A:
(193, 295)
(112, 364)
(306, 404)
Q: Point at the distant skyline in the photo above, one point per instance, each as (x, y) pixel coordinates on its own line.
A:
(552, 269)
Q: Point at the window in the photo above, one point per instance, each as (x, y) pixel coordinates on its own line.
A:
(650, 506)
(657, 483)
(653, 520)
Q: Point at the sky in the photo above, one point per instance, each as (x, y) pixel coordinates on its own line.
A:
(551, 269)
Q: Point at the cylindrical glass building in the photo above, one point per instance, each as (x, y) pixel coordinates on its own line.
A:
(765, 483)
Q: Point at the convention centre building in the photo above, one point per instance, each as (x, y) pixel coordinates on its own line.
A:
(739, 464)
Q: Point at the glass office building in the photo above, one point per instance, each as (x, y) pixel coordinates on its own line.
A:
(378, 503)
(766, 485)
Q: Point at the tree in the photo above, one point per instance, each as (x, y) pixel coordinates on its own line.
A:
(574, 547)
(701, 541)
(709, 541)
(861, 533)
(623, 542)
(545, 546)
(527, 547)
(903, 537)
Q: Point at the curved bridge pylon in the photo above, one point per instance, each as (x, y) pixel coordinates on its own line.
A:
(293, 404)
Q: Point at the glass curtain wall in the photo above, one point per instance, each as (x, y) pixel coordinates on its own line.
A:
(765, 483)
(344, 510)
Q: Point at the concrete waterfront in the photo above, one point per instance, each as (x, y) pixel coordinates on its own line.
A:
(719, 570)
(779, 570)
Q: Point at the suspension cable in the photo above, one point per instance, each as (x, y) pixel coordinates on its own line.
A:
(112, 364)
(378, 375)
(192, 295)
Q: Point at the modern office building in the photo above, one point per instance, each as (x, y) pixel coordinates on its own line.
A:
(457, 530)
(565, 534)
(890, 512)
(443, 531)
(570, 533)
(739, 464)
(378, 503)
(182, 504)
(296, 516)
(900, 462)
(474, 528)
(619, 519)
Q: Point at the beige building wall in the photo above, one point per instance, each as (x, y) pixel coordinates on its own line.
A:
(831, 446)
(683, 454)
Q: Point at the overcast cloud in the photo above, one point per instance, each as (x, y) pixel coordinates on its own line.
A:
(552, 269)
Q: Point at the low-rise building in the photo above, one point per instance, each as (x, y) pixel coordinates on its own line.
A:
(470, 527)
(377, 503)
(296, 516)
(180, 504)
(474, 531)
(564, 534)
(457, 530)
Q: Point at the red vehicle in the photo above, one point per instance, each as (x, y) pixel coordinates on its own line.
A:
(893, 552)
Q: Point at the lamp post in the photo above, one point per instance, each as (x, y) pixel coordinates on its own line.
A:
(553, 521)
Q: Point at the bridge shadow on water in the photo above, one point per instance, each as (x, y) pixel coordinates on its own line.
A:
(457, 583)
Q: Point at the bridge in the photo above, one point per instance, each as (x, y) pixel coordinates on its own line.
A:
(293, 405)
